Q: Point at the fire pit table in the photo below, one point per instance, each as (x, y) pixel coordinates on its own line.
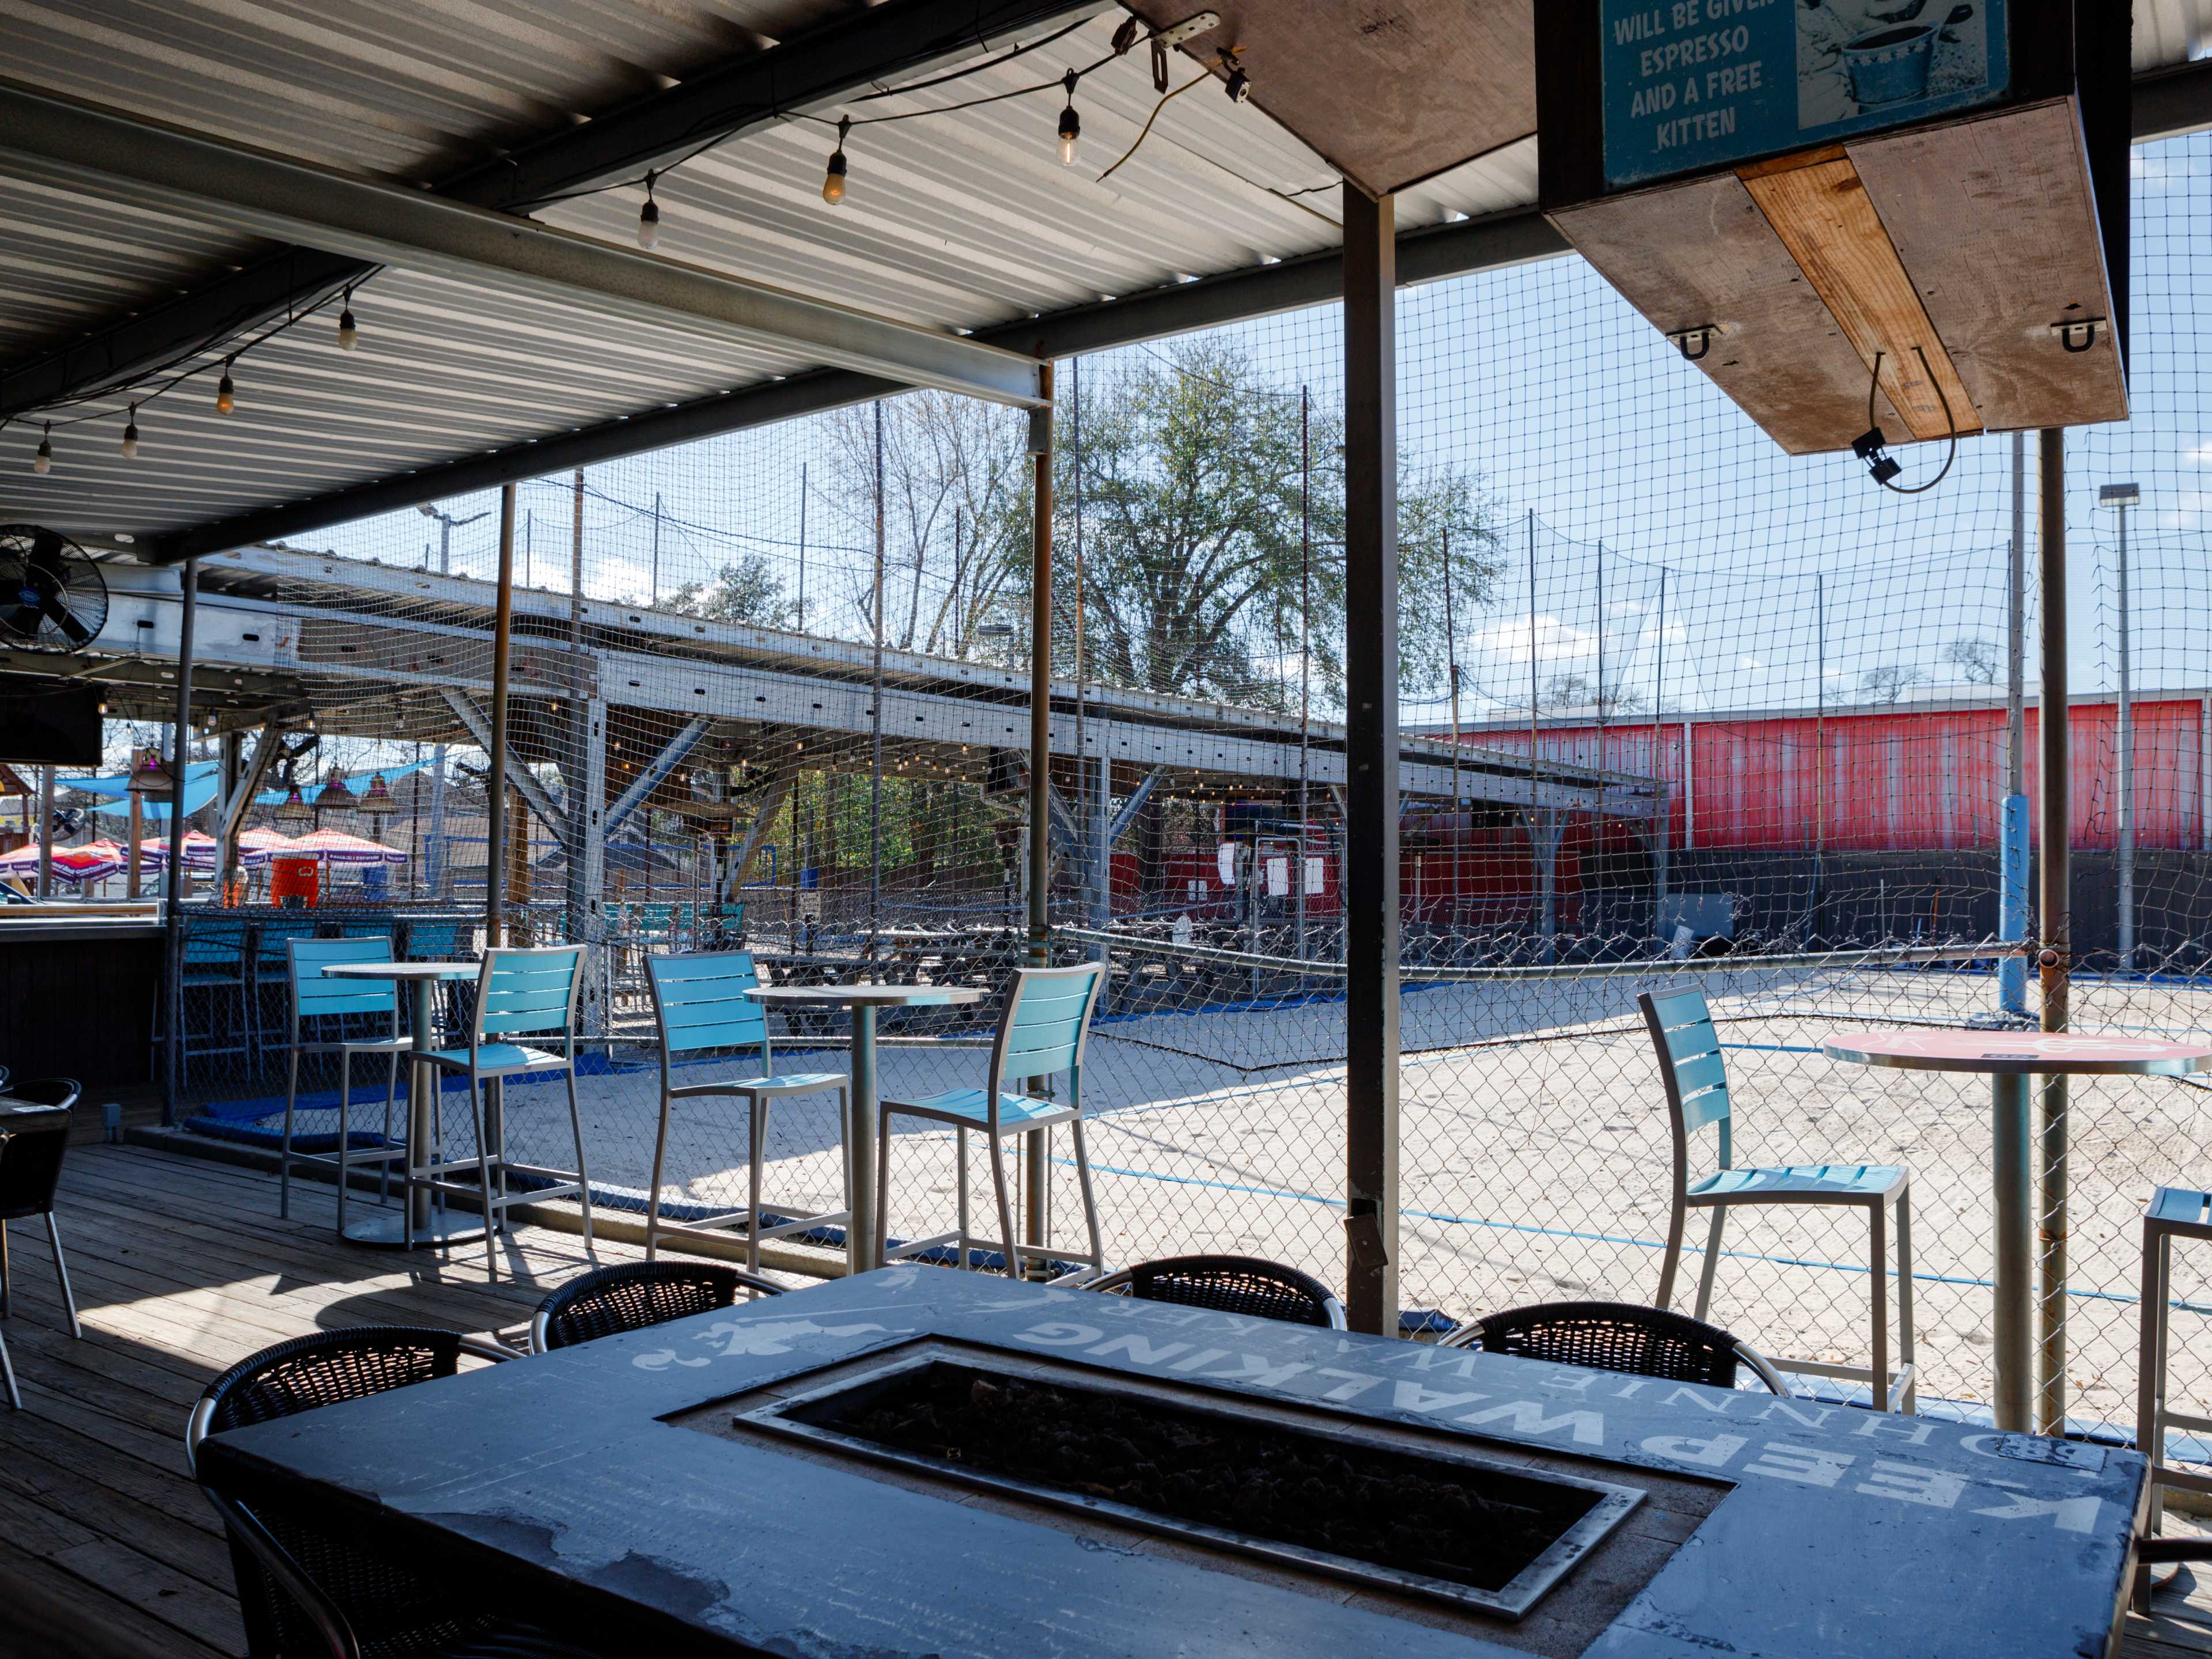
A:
(917, 1461)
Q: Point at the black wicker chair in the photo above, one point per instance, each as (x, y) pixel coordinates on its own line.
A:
(34, 1126)
(305, 1591)
(1228, 1284)
(634, 1295)
(1618, 1336)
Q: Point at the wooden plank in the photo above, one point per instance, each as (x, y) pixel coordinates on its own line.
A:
(1997, 222)
(1388, 95)
(1702, 254)
(51, 1610)
(1821, 214)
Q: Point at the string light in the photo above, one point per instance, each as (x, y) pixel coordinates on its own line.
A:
(833, 179)
(226, 393)
(1071, 124)
(130, 436)
(349, 336)
(44, 460)
(648, 217)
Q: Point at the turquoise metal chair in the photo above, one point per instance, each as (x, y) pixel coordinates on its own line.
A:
(322, 1009)
(1041, 1033)
(699, 1004)
(520, 994)
(214, 969)
(1698, 1098)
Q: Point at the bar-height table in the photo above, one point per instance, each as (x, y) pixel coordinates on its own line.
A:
(2009, 1058)
(860, 1124)
(420, 1224)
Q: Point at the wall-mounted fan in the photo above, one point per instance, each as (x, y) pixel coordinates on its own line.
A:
(52, 597)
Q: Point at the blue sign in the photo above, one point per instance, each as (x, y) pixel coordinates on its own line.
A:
(1690, 84)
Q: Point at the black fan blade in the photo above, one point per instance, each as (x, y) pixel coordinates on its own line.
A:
(65, 619)
(44, 567)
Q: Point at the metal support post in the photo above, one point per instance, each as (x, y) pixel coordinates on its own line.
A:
(2058, 941)
(1370, 658)
(2012, 912)
(2124, 857)
(1036, 1166)
(46, 830)
(172, 912)
(496, 824)
(438, 854)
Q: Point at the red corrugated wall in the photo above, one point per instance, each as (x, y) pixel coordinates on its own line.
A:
(1895, 779)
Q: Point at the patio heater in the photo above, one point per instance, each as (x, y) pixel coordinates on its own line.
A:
(149, 776)
(2120, 497)
(333, 797)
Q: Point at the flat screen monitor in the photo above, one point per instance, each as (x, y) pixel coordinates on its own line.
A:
(49, 722)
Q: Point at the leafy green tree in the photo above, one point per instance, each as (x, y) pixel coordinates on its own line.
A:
(1213, 527)
(745, 590)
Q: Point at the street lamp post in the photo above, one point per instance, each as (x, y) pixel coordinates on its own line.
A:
(2120, 497)
(446, 524)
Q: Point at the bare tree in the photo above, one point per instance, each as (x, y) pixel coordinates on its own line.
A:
(1976, 659)
(1568, 694)
(1890, 683)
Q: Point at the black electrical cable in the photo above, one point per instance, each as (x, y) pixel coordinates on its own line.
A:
(1949, 420)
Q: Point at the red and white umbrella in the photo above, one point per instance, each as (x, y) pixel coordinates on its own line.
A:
(201, 851)
(335, 847)
(94, 862)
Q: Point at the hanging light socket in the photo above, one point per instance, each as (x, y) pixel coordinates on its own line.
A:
(130, 436)
(648, 218)
(42, 461)
(226, 391)
(833, 178)
(1071, 124)
(349, 335)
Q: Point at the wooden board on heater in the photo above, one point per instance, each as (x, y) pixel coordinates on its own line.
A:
(1387, 96)
(1702, 254)
(1979, 212)
(1818, 206)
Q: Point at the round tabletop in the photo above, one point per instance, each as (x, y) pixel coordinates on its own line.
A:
(2041, 1053)
(877, 996)
(401, 970)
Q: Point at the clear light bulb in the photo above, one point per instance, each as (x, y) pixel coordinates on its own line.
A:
(226, 393)
(1071, 129)
(130, 436)
(349, 336)
(44, 460)
(648, 224)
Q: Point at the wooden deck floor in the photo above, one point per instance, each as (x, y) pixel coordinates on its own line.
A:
(182, 1268)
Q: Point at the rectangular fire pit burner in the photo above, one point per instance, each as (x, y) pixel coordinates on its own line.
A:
(1442, 1521)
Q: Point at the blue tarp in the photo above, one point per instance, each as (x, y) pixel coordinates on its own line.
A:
(201, 783)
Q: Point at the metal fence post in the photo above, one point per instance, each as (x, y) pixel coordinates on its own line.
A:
(1370, 658)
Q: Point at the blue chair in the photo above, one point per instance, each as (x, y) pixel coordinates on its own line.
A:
(520, 994)
(213, 968)
(1041, 1033)
(1698, 1098)
(443, 941)
(699, 1004)
(322, 1010)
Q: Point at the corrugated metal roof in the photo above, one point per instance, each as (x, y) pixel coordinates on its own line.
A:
(961, 220)
(2170, 32)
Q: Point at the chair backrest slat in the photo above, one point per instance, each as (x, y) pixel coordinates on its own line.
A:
(1690, 1060)
(700, 1003)
(1046, 1021)
(521, 991)
(315, 995)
